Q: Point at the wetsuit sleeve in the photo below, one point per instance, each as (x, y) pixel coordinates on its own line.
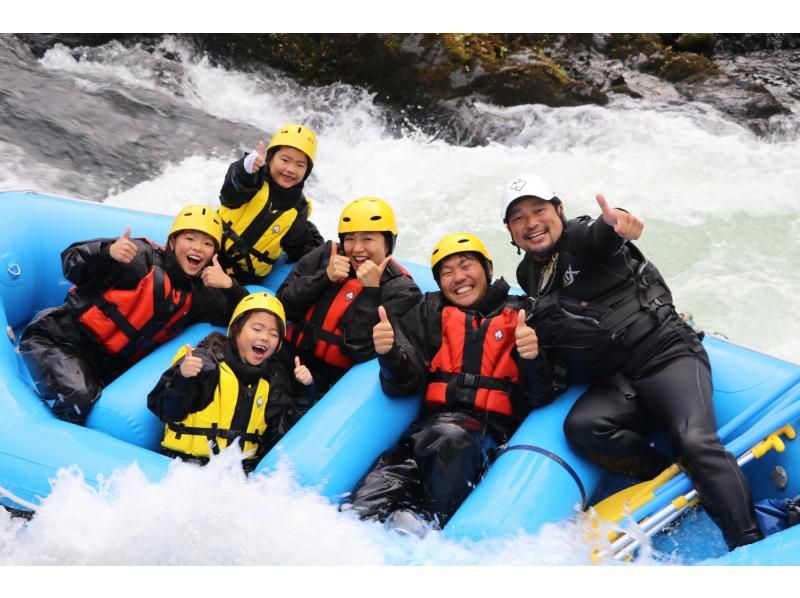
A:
(215, 305)
(91, 262)
(595, 237)
(240, 186)
(397, 294)
(302, 237)
(305, 283)
(282, 411)
(175, 397)
(537, 385)
(403, 370)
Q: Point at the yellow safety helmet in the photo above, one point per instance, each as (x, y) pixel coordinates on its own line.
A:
(298, 137)
(263, 302)
(369, 214)
(458, 243)
(198, 217)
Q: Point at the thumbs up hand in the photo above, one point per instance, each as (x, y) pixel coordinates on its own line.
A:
(301, 373)
(338, 265)
(369, 273)
(526, 339)
(383, 333)
(214, 276)
(625, 224)
(191, 364)
(123, 249)
(255, 159)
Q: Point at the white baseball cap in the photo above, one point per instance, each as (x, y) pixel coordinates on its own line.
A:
(526, 185)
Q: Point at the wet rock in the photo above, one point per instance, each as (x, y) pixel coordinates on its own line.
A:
(683, 66)
(697, 43)
(427, 79)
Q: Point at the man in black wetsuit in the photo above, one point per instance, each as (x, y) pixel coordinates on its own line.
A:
(604, 315)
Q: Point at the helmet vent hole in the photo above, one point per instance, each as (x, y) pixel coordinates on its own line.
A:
(374, 217)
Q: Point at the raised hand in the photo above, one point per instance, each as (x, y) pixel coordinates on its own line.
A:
(338, 265)
(301, 373)
(191, 364)
(526, 339)
(370, 273)
(382, 333)
(626, 225)
(123, 249)
(214, 276)
(255, 159)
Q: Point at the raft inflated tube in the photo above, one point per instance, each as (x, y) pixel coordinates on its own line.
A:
(538, 479)
(34, 445)
(334, 445)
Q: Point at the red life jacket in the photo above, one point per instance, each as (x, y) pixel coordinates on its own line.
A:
(474, 367)
(131, 322)
(321, 324)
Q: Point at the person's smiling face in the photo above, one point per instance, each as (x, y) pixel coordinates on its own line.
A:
(258, 337)
(463, 280)
(193, 249)
(535, 225)
(363, 246)
(288, 166)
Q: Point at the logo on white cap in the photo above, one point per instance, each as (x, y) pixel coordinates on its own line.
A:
(518, 184)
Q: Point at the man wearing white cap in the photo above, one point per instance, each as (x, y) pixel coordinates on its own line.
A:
(604, 315)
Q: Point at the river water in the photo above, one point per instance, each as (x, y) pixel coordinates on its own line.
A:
(156, 130)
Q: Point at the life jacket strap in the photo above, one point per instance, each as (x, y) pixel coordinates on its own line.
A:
(466, 380)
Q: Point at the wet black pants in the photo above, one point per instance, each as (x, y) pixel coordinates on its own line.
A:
(610, 428)
(431, 471)
(66, 376)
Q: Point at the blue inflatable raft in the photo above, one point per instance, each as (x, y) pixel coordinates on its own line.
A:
(538, 480)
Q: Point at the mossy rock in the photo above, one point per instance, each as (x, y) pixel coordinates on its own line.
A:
(697, 43)
(537, 83)
(625, 45)
(685, 66)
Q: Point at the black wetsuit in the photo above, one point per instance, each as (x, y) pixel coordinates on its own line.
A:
(605, 316)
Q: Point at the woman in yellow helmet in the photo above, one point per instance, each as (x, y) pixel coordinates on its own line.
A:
(333, 293)
(229, 389)
(130, 296)
(263, 208)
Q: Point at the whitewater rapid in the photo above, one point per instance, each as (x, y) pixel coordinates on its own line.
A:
(722, 224)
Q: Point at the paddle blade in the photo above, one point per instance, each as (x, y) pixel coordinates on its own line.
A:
(616, 506)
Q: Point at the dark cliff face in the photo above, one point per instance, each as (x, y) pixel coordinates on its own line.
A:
(432, 78)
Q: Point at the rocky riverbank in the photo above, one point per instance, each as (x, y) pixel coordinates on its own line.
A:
(433, 80)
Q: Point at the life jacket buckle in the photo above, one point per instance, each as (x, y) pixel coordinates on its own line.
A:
(466, 380)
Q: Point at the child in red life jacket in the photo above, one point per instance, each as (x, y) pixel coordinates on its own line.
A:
(333, 293)
(130, 296)
(263, 208)
(468, 349)
(230, 388)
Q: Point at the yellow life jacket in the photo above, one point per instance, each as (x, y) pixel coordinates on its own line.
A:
(252, 233)
(209, 429)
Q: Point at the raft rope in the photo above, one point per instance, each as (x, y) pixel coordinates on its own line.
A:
(557, 459)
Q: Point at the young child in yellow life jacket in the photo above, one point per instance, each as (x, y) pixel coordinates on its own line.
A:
(230, 388)
(263, 208)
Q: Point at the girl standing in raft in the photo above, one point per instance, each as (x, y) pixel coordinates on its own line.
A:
(229, 388)
(263, 208)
